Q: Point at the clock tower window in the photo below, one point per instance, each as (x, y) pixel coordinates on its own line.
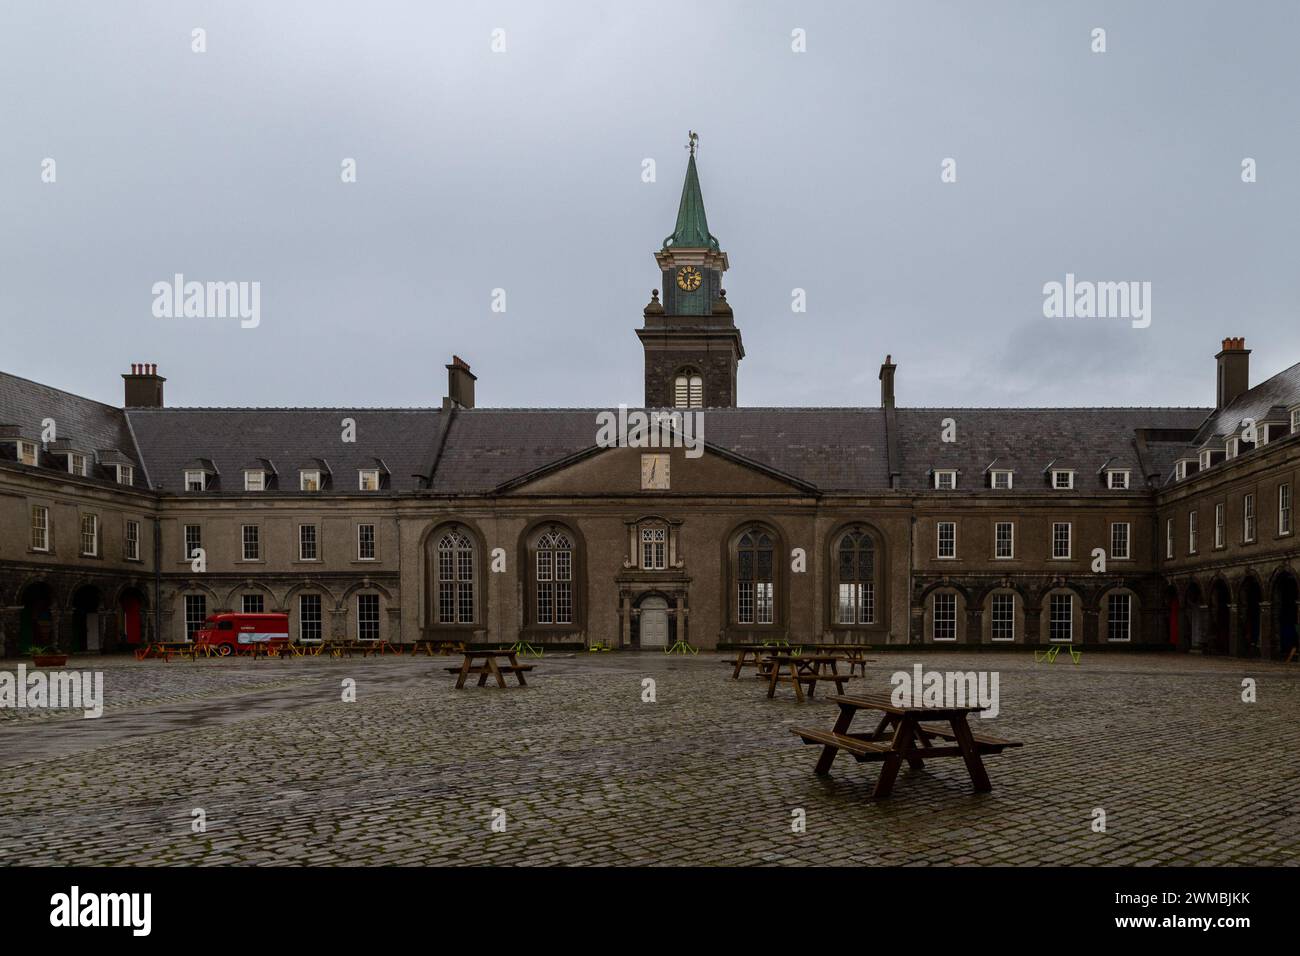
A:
(688, 389)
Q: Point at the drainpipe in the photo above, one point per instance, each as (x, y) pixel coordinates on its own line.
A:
(157, 579)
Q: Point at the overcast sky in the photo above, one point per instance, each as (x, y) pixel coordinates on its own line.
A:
(522, 170)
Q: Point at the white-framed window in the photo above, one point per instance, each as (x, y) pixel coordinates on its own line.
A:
(254, 480)
(456, 576)
(40, 528)
(196, 480)
(1207, 457)
(307, 545)
(654, 548)
(27, 452)
(125, 475)
(77, 465)
(945, 480)
(1119, 617)
(1231, 447)
(309, 480)
(755, 558)
(855, 573)
(1193, 531)
(252, 542)
(254, 603)
(1004, 539)
(1180, 470)
(1248, 518)
(1117, 480)
(553, 570)
(368, 479)
(1169, 539)
(367, 617)
(196, 613)
(309, 619)
(193, 539)
(1002, 479)
(947, 539)
(132, 540)
(1060, 619)
(1119, 534)
(1062, 479)
(1061, 540)
(90, 536)
(945, 617)
(1004, 617)
(1295, 420)
(688, 389)
(1220, 526)
(1284, 508)
(365, 542)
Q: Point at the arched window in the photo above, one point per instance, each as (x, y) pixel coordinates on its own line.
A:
(688, 389)
(455, 578)
(755, 601)
(553, 563)
(855, 568)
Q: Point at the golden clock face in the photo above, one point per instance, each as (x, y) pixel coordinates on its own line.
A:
(689, 278)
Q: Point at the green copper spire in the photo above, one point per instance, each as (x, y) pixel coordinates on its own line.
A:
(692, 230)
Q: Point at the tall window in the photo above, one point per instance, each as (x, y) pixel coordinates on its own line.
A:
(856, 569)
(367, 617)
(252, 537)
(90, 536)
(365, 542)
(1004, 617)
(132, 540)
(309, 617)
(193, 540)
(945, 617)
(553, 563)
(1060, 621)
(754, 578)
(196, 612)
(307, 550)
(947, 531)
(1119, 617)
(455, 578)
(40, 528)
(1193, 531)
(654, 549)
(1284, 509)
(1248, 518)
(1060, 539)
(1220, 525)
(253, 603)
(1004, 540)
(1119, 540)
(688, 389)
(1169, 538)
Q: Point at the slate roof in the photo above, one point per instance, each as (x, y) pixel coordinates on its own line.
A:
(1028, 440)
(1280, 391)
(83, 423)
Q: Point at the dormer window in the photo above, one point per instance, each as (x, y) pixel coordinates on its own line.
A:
(1231, 448)
(196, 480)
(945, 480)
(1001, 479)
(254, 480)
(1206, 458)
(1117, 480)
(125, 475)
(1295, 420)
(1062, 479)
(27, 452)
(369, 479)
(77, 464)
(309, 480)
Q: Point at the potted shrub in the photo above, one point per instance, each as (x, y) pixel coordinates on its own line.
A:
(48, 657)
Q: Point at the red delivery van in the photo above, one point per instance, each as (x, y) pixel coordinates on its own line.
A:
(232, 632)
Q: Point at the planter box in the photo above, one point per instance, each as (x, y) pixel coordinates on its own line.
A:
(50, 660)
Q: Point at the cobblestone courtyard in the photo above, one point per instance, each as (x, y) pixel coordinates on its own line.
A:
(588, 773)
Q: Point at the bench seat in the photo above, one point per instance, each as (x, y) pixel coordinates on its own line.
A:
(860, 749)
(982, 740)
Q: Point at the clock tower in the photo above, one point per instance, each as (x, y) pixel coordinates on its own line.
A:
(692, 346)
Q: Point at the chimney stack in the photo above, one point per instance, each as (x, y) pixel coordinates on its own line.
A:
(143, 387)
(460, 384)
(887, 382)
(1234, 371)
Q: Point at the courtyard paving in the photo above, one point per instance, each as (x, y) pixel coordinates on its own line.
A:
(586, 772)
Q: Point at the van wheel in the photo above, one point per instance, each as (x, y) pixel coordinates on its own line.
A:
(223, 650)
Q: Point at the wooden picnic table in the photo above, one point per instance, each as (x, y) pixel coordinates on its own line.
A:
(900, 735)
(437, 646)
(365, 648)
(799, 669)
(490, 667)
(165, 650)
(856, 654)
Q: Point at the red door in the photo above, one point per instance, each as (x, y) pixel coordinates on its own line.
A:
(131, 618)
(1173, 621)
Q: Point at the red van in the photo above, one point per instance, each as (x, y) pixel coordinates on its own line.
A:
(232, 632)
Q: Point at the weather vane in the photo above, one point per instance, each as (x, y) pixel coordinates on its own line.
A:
(695, 138)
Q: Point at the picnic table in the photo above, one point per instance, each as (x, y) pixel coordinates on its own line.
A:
(856, 654)
(365, 648)
(900, 735)
(437, 646)
(165, 650)
(489, 667)
(799, 669)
